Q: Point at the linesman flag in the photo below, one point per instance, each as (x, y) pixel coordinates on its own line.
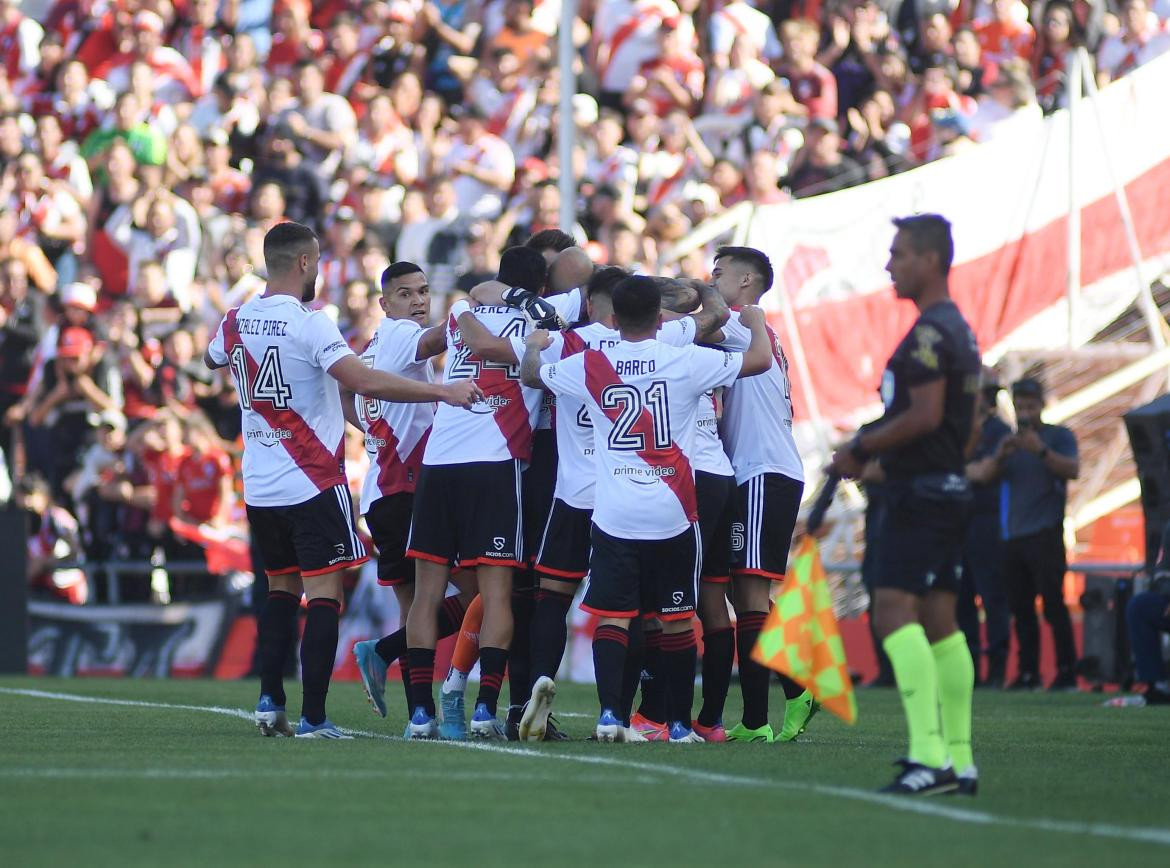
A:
(801, 639)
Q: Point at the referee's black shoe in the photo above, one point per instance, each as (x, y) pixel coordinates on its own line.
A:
(916, 779)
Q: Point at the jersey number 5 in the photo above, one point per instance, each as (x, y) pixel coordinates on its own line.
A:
(630, 403)
(269, 385)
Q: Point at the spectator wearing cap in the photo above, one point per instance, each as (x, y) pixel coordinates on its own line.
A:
(1142, 37)
(813, 86)
(77, 387)
(821, 166)
(1033, 467)
(1008, 34)
(174, 79)
(481, 164)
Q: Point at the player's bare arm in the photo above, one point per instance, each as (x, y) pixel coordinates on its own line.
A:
(530, 364)
(758, 357)
(210, 362)
(349, 409)
(432, 343)
(924, 415)
(483, 343)
(490, 292)
(356, 377)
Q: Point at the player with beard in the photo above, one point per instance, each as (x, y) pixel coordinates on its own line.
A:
(929, 390)
(396, 435)
(287, 361)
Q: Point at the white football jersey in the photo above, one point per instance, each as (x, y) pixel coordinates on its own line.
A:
(757, 414)
(499, 427)
(279, 353)
(396, 434)
(643, 398)
(576, 468)
(709, 456)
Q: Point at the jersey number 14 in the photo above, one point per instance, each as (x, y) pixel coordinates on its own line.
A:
(269, 384)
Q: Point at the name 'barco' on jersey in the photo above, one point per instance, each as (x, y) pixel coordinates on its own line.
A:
(634, 367)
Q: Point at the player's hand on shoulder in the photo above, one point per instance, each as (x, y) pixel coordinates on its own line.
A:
(462, 393)
(538, 338)
(751, 315)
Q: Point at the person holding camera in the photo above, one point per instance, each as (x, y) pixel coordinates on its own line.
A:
(1034, 466)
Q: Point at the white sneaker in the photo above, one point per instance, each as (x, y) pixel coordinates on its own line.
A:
(534, 720)
(680, 733)
(271, 719)
(632, 736)
(609, 728)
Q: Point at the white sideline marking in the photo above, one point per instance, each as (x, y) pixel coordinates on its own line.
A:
(931, 808)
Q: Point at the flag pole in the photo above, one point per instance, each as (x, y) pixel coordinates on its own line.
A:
(567, 131)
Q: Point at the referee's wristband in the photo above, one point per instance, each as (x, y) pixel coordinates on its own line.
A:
(858, 451)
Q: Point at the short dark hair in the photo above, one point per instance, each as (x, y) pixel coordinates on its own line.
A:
(637, 302)
(283, 243)
(523, 267)
(398, 269)
(754, 259)
(551, 239)
(1028, 387)
(604, 280)
(929, 233)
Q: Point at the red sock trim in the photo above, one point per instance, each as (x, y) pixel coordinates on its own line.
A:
(711, 634)
(454, 608)
(678, 641)
(752, 621)
(325, 601)
(610, 633)
(492, 681)
(556, 596)
(278, 595)
(652, 638)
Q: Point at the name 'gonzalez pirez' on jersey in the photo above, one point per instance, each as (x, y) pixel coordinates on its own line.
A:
(642, 398)
(396, 434)
(279, 353)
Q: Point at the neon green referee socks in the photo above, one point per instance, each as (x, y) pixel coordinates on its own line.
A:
(956, 683)
(915, 672)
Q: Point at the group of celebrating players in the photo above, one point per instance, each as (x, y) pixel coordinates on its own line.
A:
(590, 425)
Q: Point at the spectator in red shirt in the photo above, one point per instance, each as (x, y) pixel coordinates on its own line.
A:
(174, 79)
(1008, 34)
(203, 490)
(673, 79)
(813, 86)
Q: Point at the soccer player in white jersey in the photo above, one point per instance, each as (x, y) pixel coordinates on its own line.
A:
(757, 433)
(395, 436)
(467, 505)
(641, 396)
(287, 361)
(562, 558)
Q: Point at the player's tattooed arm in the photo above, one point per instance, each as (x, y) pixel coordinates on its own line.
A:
(710, 320)
(489, 347)
(490, 293)
(758, 357)
(530, 364)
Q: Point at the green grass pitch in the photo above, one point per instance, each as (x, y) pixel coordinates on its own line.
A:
(133, 782)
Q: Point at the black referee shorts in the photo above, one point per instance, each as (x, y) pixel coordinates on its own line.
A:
(923, 527)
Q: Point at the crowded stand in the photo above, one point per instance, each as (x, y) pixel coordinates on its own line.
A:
(147, 146)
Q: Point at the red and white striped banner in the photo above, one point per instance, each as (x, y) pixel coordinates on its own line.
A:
(1008, 203)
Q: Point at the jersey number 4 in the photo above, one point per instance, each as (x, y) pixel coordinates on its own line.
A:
(630, 402)
(268, 386)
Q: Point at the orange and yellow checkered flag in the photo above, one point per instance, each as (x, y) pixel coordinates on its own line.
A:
(801, 639)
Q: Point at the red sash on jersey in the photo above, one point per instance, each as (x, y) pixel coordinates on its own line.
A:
(10, 49)
(660, 188)
(623, 33)
(342, 75)
(324, 468)
(394, 474)
(599, 373)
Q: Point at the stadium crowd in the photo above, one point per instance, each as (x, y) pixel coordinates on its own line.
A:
(146, 146)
